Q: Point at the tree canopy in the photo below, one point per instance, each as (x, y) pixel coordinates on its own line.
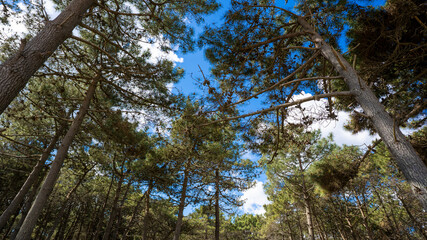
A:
(95, 144)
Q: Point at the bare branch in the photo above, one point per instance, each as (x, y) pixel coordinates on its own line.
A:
(299, 101)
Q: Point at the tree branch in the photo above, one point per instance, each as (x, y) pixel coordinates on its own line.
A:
(299, 101)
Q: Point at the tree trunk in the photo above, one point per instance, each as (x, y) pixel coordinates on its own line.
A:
(418, 225)
(404, 154)
(136, 211)
(101, 213)
(64, 204)
(217, 216)
(26, 208)
(181, 205)
(18, 69)
(47, 187)
(147, 211)
(306, 200)
(16, 202)
(114, 210)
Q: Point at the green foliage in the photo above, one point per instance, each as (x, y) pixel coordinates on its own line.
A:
(333, 172)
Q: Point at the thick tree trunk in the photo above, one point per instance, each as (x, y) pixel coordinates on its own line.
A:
(217, 216)
(16, 202)
(47, 187)
(17, 70)
(404, 154)
(181, 206)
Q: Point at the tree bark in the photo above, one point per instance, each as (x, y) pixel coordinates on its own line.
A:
(18, 69)
(181, 205)
(147, 211)
(26, 208)
(49, 183)
(115, 209)
(100, 216)
(401, 149)
(217, 216)
(32, 178)
(64, 204)
(306, 200)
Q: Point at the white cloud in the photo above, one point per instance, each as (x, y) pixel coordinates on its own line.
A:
(336, 127)
(255, 199)
(157, 53)
(341, 135)
(50, 9)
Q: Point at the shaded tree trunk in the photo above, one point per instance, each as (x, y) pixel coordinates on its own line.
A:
(147, 211)
(64, 204)
(49, 183)
(181, 205)
(18, 69)
(217, 216)
(403, 153)
(101, 213)
(32, 178)
(306, 201)
(26, 208)
(114, 210)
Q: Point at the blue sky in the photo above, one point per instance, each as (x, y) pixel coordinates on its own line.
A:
(191, 62)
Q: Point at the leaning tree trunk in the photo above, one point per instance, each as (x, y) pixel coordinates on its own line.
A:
(18, 69)
(47, 187)
(17, 200)
(401, 149)
(181, 205)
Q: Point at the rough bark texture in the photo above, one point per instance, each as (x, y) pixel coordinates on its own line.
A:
(407, 159)
(47, 187)
(181, 206)
(18, 69)
(32, 178)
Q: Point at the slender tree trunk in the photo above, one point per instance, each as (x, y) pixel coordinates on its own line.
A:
(18, 69)
(32, 178)
(387, 215)
(404, 154)
(135, 213)
(49, 183)
(101, 213)
(217, 216)
(147, 211)
(418, 226)
(181, 205)
(119, 211)
(26, 208)
(306, 200)
(64, 204)
(114, 210)
(365, 222)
